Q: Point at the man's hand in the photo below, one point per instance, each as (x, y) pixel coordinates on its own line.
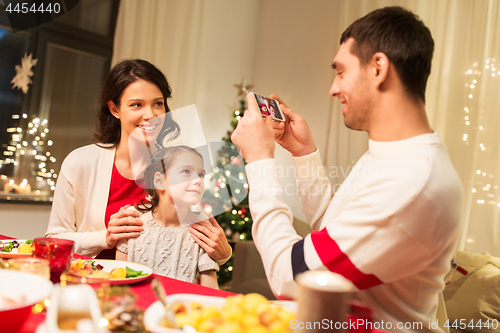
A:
(254, 134)
(294, 134)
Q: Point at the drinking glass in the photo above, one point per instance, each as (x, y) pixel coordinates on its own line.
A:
(100, 284)
(58, 252)
(31, 265)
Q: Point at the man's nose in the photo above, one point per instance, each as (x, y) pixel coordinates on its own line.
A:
(334, 90)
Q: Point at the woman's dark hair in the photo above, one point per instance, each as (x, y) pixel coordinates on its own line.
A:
(118, 79)
(161, 162)
(402, 37)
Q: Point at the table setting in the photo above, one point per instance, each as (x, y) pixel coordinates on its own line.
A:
(135, 291)
(59, 292)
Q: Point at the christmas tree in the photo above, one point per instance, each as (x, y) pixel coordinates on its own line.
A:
(229, 178)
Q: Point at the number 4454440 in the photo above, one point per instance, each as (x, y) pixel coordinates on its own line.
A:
(24, 8)
(462, 324)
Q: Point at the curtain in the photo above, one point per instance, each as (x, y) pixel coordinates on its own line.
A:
(286, 47)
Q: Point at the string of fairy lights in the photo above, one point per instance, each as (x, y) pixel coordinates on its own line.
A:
(29, 144)
(473, 76)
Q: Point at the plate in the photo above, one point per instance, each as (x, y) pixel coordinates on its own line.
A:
(109, 265)
(42, 328)
(291, 306)
(155, 312)
(10, 255)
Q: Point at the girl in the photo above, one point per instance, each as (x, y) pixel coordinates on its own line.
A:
(174, 177)
(96, 183)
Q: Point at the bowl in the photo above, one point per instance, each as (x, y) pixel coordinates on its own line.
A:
(155, 312)
(26, 290)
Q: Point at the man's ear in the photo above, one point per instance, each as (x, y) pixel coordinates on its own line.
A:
(113, 109)
(380, 64)
(159, 181)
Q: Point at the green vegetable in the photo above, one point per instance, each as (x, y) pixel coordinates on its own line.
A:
(133, 273)
(8, 247)
(11, 245)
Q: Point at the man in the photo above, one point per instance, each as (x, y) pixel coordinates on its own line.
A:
(393, 226)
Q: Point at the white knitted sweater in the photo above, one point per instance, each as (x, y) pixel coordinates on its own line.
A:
(169, 251)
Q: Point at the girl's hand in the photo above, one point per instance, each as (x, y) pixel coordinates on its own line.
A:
(211, 237)
(123, 224)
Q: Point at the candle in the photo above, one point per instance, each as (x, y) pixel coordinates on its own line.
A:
(8, 187)
(23, 188)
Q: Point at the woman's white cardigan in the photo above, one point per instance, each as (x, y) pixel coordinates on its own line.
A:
(81, 198)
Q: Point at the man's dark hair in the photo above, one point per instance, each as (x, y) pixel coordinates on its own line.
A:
(402, 37)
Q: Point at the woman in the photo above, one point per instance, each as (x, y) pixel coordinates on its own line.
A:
(96, 182)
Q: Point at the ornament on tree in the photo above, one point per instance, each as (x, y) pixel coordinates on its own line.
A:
(24, 73)
(235, 237)
(243, 88)
(230, 188)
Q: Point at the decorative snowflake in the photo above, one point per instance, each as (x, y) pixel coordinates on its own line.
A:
(23, 73)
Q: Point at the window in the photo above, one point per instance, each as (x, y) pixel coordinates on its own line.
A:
(58, 112)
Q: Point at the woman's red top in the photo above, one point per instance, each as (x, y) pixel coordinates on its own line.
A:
(122, 191)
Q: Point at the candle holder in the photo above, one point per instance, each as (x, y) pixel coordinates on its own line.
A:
(58, 252)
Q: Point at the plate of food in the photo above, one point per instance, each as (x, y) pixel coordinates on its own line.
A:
(234, 313)
(119, 272)
(16, 248)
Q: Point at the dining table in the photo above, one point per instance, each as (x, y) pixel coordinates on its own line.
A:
(142, 290)
(145, 296)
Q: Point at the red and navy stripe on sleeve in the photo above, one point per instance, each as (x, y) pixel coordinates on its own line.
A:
(332, 258)
(298, 261)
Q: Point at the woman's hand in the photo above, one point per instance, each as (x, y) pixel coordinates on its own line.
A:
(211, 237)
(123, 224)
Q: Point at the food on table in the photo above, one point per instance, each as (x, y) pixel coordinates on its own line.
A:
(25, 248)
(101, 273)
(118, 273)
(240, 313)
(17, 246)
(91, 268)
(84, 267)
(133, 273)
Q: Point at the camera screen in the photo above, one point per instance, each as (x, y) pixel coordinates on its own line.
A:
(268, 107)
